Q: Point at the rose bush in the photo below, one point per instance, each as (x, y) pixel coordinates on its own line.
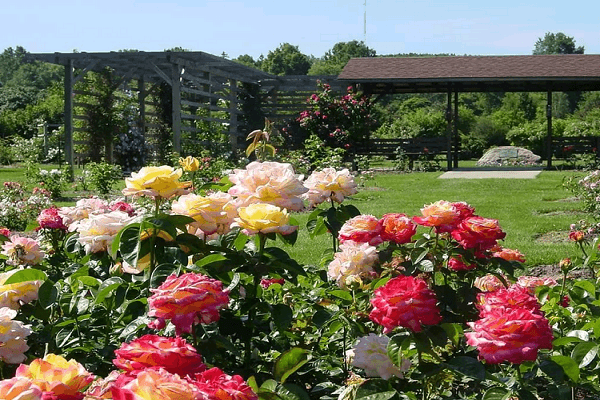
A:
(193, 296)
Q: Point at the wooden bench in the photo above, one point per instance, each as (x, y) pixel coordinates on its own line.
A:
(565, 146)
(413, 148)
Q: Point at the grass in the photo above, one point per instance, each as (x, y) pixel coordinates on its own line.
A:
(526, 209)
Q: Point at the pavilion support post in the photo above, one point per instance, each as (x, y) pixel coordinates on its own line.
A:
(142, 104)
(549, 123)
(233, 122)
(69, 154)
(176, 100)
(449, 129)
(455, 133)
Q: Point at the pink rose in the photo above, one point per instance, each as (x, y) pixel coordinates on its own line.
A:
(441, 214)
(49, 219)
(362, 229)
(478, 233)
(405, 301)
(510, 334)
(173, 354)
(215, 384)
(187, 300)
(397, 228)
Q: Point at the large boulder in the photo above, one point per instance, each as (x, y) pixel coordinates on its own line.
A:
(509, 155)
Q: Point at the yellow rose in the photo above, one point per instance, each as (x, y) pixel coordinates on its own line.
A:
(264, 218)
(56, 375)
(189, 164)
(160, 181)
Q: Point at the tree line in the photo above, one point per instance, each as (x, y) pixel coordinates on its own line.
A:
(31, 93)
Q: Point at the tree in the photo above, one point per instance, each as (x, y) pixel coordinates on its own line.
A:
(247, 60)
(10, 61)
(286, 60)
(558, 43)
(335, 59)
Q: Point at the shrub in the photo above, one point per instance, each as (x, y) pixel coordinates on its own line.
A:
(103, 176)
(6, 153)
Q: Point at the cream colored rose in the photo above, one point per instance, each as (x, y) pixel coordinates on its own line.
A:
(14, 295)
(354, 260)
(264, 218)
(13, 337)
(268, 182)
(213, 213)
(329, 184)
(22, 250)
(155, 182)
(97, 232)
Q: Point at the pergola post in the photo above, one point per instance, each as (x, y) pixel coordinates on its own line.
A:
(455, 133)
(142, 105)
(233, 125)
(449, 129)
(549, 123)
(176, 109)
(69, 113)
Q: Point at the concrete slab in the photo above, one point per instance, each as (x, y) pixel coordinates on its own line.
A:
(529, 173)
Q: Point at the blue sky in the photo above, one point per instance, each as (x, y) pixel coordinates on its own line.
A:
(474, 27)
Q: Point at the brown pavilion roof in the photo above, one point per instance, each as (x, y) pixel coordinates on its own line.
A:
(474, 73)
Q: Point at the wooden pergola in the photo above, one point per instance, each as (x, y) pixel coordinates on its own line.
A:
(456, 74)
(206, 76)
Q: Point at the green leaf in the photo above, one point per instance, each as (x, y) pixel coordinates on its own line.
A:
(454, 332)
(251, 148)
(496, 393)
(290, 391)
(342, 294)
(375, 389)
(553, 370)
(561, 341)
(568, 365)
(282, 316)
(211, 259)
(116, 244)
(107, 288)
(128, 244)
(587, 286)
(131, 330)
(289, 362)
(26, 275)
(321, 317)
(47, 294)
(395, 349)
(584, 353)
(524, 394)
(468, 366)
(252, 383)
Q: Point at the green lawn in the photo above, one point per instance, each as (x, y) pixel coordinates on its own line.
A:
(525, 209)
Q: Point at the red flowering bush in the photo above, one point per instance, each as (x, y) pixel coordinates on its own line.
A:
(340, 122)
(173, 354)
(405, 301)
(187, 300)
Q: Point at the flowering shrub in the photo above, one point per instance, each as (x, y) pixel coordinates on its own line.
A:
(18, 209)
(342, 122)
(140, 303)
